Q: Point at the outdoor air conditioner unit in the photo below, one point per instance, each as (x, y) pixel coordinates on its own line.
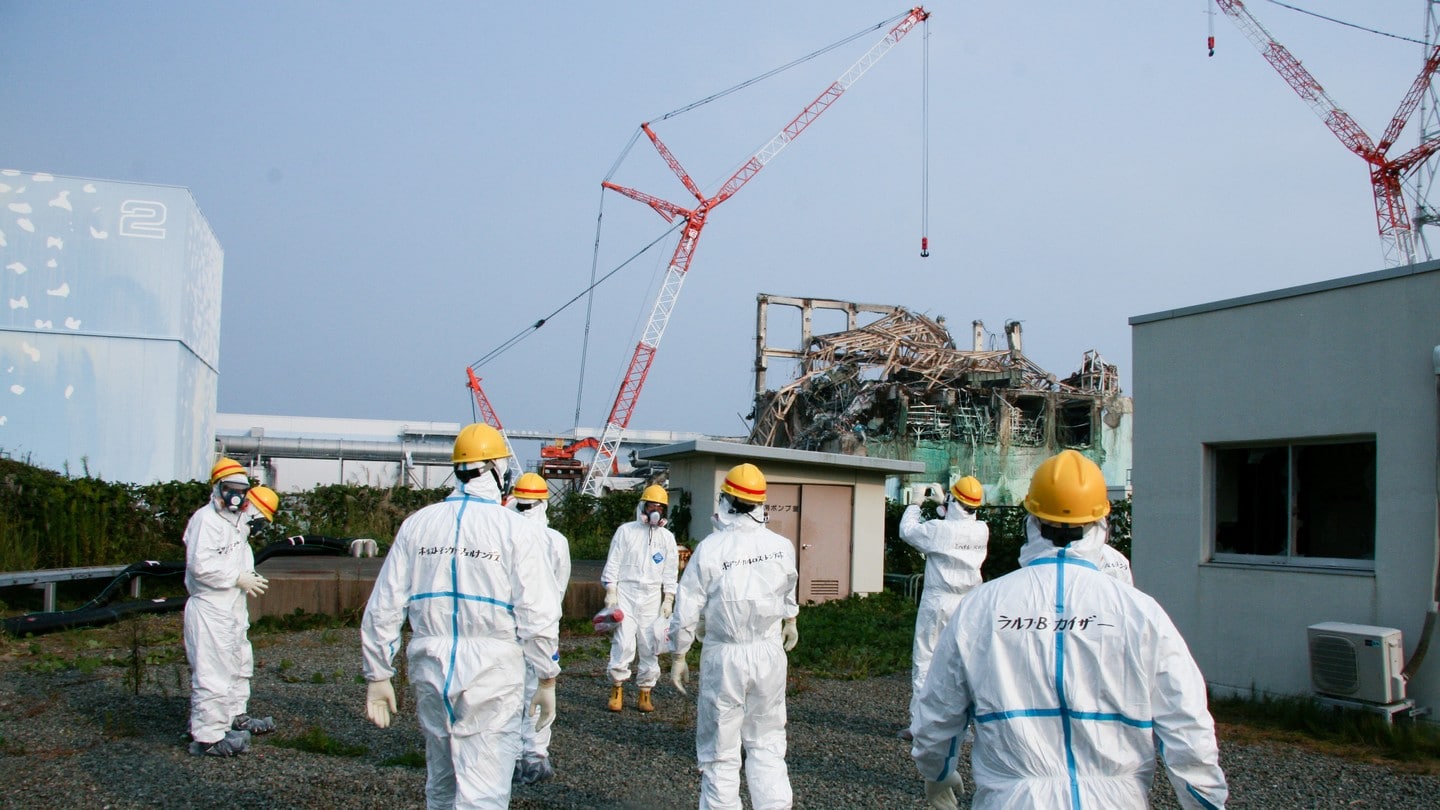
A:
(1357, 662)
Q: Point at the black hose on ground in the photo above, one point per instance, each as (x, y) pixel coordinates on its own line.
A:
(98, 611)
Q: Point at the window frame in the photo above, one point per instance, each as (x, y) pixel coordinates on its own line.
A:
(1289, 559)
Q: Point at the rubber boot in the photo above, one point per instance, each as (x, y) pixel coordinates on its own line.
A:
(617, 698)
(644, 704)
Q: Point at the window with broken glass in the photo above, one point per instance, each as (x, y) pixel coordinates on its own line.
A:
(1304, 503)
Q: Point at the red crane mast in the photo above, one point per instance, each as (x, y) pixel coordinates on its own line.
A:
(695, 219)
(1397, 236)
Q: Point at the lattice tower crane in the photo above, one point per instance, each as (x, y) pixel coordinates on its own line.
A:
(694, 222)
(1397, 236)
(1423, 179)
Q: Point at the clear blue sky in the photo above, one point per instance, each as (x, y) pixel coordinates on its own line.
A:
(399, 188)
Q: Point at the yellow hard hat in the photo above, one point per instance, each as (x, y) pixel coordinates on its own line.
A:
(531, 487)
(1068, 488)
(478, 442)
(226, 468)
(745, 482)
(655, 494)
(968, 491)
(264, 499)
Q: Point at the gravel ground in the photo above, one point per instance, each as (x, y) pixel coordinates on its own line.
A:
(73, 734)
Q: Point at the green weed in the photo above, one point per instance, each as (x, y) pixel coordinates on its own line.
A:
(315, 740)
(299, 620)
(1306, 717)
(412, 759)
(858, 637)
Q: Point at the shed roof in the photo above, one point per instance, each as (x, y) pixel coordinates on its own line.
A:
(751, 452)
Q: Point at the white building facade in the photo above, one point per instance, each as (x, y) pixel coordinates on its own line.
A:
(1285, 471)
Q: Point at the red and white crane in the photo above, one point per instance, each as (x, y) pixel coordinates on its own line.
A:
(487, 414)
(1397, 233)
(694, 222)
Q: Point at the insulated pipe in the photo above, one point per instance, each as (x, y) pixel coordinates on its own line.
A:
(1423, 645)
(349, 450)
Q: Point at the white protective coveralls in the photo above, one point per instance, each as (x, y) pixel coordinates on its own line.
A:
(1115, 564)
(1071, 679)
(217, 617)
(954, 549)
(535, 745)
(642, 564)
(473, 580)
(741, 583)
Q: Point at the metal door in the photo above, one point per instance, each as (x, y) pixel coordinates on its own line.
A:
(816, 518)
(826, 529)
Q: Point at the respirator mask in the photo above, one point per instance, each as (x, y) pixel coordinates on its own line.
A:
(232, 495)
(654, 513)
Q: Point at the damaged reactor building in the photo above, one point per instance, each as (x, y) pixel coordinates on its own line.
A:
(899, 387)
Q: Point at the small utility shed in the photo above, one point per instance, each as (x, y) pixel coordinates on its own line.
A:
(1285, 455)
(831, 506)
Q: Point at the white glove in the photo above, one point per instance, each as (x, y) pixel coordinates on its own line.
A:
(789, 634)
(380, 702)
(679, 671)
(612, 595)
(252, 583)
(364, 547)
(667, 605)
(543, 706)
(941, 795)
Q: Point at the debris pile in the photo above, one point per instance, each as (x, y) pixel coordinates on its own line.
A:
(901, 379)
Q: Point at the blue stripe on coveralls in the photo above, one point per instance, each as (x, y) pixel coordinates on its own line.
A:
(1064, 712)
(454, 593)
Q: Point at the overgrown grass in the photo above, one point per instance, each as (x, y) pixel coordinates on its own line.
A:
(855, 638)
(1350, 733)
(299, 621)
(316, 740)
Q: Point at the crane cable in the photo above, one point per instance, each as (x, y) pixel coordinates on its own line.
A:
(1346, 24)
(614, 167)
(925, 142)
(1210, 12)
(524, 333)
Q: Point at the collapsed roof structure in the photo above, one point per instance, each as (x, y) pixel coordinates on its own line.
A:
(899, 387)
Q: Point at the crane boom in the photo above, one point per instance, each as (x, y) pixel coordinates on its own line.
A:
(1397, 237)
(489, 417)
(644, 354)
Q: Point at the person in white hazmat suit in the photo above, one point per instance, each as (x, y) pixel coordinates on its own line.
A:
(639, 578)
(1112, 562)
(954, 547)
(740, 583)
(530, 498)
(219, 574)
(1071, 678)
(472, 579)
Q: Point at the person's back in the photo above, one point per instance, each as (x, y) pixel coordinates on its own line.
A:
(1071, 677)
(470, 577)
(465, 547)
(1066, 710)
(741, 582)
(750, 604)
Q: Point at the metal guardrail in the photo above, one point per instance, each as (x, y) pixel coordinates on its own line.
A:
(908, 584)
(46, 578)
